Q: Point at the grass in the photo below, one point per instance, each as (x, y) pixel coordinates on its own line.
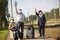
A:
(3, 34)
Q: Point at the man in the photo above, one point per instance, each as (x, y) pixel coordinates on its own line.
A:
(41, 22)
(20, 19)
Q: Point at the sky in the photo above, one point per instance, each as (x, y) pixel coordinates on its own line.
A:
(30, 5)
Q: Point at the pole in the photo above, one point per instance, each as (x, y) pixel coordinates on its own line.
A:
(32, 20)
(11, 10)
(28, 19)
(54, 16)
(28, 16)
(59, 7)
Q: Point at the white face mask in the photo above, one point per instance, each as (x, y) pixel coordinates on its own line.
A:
(40, 14)
(19, 11)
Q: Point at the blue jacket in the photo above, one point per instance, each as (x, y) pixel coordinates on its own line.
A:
(41, 20)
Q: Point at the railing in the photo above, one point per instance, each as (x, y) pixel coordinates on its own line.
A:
(46, 26)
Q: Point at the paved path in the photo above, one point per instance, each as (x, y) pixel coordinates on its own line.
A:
(36, 37)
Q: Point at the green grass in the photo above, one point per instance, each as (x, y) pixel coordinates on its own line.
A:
(3, 34)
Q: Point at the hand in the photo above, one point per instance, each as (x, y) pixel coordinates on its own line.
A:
(16, 7)
(15, 4)
(35, 9)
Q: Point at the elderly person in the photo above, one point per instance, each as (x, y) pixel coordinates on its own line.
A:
(41, 22)
(20, 19)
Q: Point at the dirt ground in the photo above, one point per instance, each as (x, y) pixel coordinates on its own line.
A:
(50, 33)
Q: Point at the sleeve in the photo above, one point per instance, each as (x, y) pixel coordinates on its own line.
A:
(24, 16)
(44, 18)
(36, 13)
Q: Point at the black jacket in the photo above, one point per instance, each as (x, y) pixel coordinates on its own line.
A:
(41, 20)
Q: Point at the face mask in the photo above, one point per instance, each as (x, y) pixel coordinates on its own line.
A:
(20, 12)
(40, 14)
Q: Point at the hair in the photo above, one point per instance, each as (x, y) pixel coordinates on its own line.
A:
(39, 11)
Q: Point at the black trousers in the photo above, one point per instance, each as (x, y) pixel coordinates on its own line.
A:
(41, 30)
(15, 38)
(21, 26)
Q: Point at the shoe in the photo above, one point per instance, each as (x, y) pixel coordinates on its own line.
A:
(40, 36)
(43, 36)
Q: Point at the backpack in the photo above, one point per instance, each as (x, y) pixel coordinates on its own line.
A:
(30, 32)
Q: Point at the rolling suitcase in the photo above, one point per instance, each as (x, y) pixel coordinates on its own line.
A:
(30, 32)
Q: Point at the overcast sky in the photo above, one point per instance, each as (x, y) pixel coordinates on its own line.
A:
(29, 5)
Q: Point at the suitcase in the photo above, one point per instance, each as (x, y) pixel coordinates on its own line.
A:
(30, 32)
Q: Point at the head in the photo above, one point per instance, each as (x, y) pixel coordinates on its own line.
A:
(40, 12)
(20, 10)
(11, 20)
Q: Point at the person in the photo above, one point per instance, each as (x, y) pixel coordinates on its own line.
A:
(12, 29)
(41, 22)
(20, 19)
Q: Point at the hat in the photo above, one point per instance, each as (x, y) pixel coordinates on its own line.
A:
(20, 9)
(11, 18)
